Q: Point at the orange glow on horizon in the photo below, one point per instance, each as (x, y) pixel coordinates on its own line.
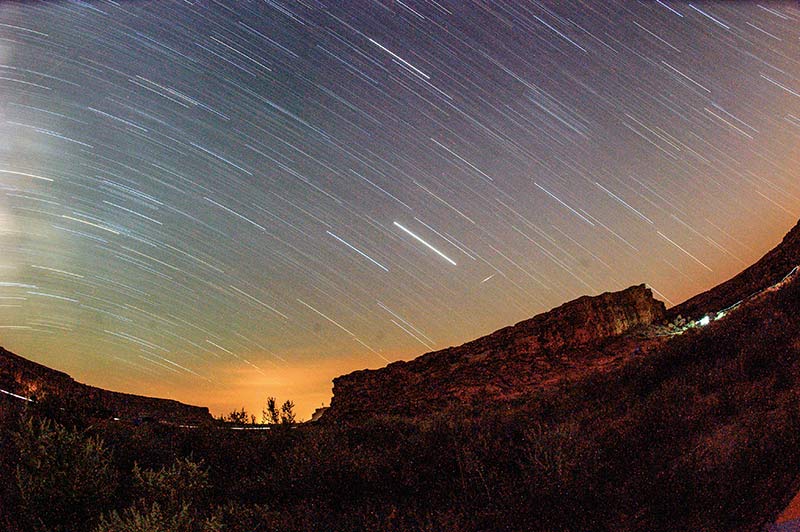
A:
(306, 378)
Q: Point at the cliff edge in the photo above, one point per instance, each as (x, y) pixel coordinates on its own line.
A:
(504, 365)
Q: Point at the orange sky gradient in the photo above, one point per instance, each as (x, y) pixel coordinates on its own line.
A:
(306, 378)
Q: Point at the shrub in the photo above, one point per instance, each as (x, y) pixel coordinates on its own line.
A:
(240, 417)
(272, 416)
(154, 519)
(168, 500)
(64, 478)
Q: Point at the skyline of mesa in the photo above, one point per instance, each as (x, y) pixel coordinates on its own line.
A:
(218, 203)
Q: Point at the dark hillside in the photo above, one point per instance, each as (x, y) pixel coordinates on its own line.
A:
(29, 379)
(767, 271)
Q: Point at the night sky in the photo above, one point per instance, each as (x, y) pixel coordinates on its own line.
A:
(220, 201)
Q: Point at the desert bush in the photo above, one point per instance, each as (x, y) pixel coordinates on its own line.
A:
(239, 517)
(240, 417)
(64, 478)
(154, 519)
(168, 500)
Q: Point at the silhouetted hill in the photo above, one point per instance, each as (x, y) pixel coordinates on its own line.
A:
(31, 380)
(767, 271)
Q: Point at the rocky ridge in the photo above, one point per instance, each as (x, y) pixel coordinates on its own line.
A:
(766, 272)
(577, 339)
(26, 379)
(508, 364)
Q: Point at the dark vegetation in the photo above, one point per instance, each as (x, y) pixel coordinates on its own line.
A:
(271, 415)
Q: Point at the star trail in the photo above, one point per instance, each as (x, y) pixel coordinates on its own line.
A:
(219, 201)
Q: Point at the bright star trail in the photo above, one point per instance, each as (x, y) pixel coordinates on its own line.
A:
(220, 201)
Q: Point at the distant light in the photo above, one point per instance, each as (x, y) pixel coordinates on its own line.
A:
(705, 320)
(17, 396)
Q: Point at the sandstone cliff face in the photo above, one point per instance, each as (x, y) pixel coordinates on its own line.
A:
(505, 365)
(29, 379)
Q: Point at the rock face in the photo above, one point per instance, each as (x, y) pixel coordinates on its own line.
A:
(25, 378)
(504, 365)
(579, 338)
(767, 271)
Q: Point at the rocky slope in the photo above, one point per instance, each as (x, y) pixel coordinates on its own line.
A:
(576, 339)
(508, 364)
(25, 378)
(766, 272)
(624, 419)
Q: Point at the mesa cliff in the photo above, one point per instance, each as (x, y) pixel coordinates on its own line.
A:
(507, 364)
(577, 339)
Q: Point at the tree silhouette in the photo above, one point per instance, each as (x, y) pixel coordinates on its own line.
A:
(238, 416)
(271, 415)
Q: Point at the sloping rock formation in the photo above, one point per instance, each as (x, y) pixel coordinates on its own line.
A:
(506, 364)
(25, 378)
(652, 424)
(575, 339)
(766, 272)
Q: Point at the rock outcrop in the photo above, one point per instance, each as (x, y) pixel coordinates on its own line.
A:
(25, 378)
(573, 340)
(504, 365)
(766, 272)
